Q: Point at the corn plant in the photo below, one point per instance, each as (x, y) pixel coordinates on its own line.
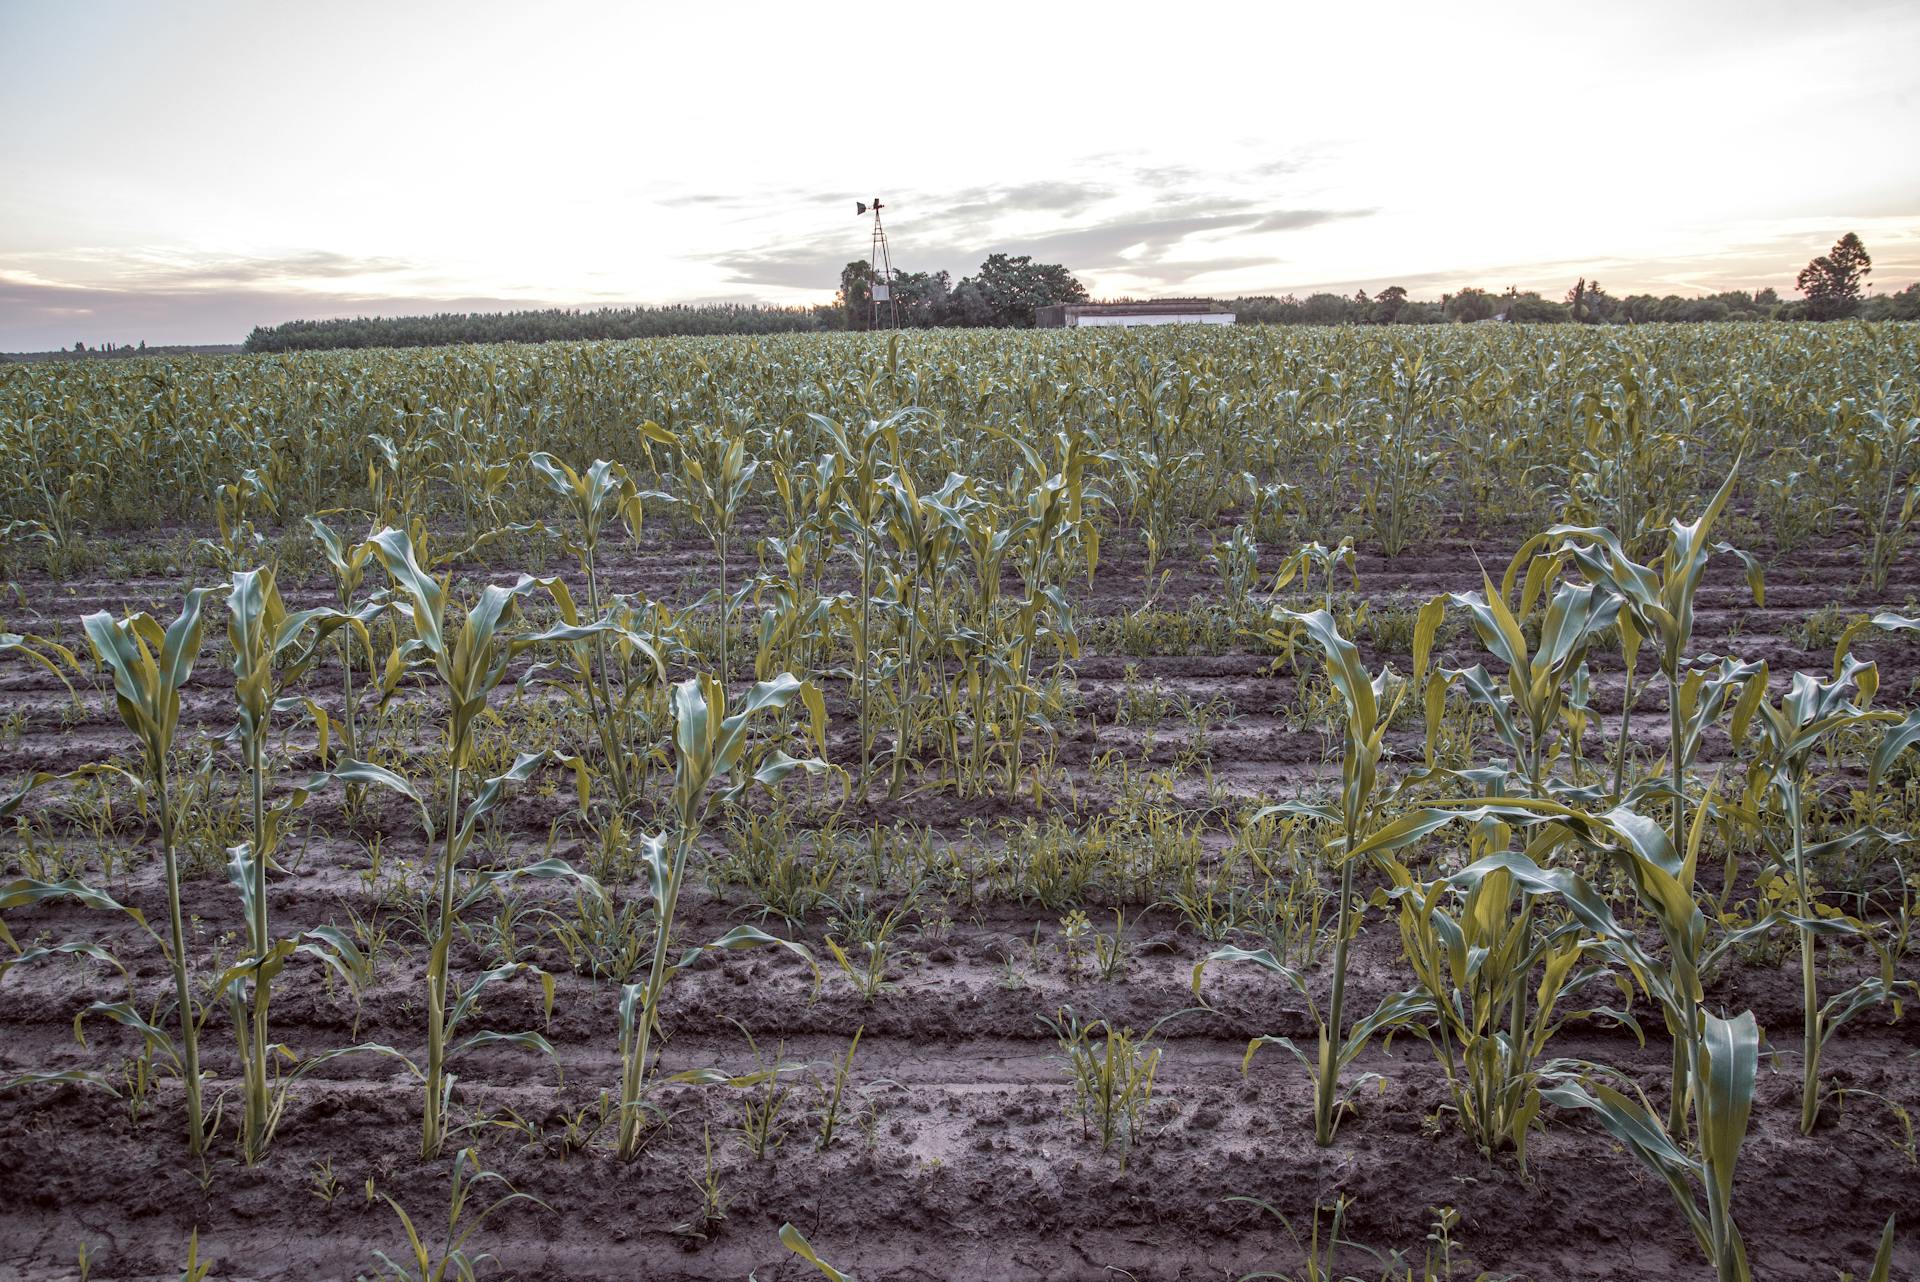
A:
(451, 1008)
(1723, 1070)
(925, 536)
(61, 496)
(1367, 707)
(1112, 1069)
(235, 506)
(1719, 1055)
(470, 665)
(1656, 602)
(1316, 555)
(1323, 1245)
(717, 474)
(150, 665)
(1631, 445)
(711, 745)
(348, 567)
(1056, 519)
(1474, 944)
(598, 677)
(1806, 721)
(862, 454)
(1883, 454)
(41, 651)
(1528, 708)
(1236, 562)
(450, 1259)
(1659, 601)
(592, 501)
(138, 1077)
(272, 651)
(792, 1239)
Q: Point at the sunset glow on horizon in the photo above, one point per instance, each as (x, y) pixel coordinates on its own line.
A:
(181, 174)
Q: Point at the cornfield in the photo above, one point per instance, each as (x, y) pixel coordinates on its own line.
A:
(1221, 802)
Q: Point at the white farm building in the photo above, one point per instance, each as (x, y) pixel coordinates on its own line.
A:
(1177, 311)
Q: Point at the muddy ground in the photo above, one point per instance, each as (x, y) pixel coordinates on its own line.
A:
(957, 1153)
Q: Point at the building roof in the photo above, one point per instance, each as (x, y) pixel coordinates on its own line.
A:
(1154, 307)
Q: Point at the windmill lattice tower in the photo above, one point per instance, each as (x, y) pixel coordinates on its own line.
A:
(885, 311)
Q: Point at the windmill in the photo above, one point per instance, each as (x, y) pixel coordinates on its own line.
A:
(886, 312)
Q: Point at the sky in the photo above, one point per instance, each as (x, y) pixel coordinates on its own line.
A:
(179, 173)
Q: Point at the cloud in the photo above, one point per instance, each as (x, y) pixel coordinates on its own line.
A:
(311, 265)
(1140, 223)
(166, 270)
(35, 316)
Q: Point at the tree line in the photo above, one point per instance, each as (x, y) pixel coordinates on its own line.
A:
(549, 325)
(1007, 290)
(1832, 285)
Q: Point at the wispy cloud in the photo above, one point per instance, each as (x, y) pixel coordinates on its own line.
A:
(170, 269)
(1150, 222)
(36, 316)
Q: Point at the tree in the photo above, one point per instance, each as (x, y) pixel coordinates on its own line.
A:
(1012, 288)
(1529, 307)
(1470, 305)
(856, 293)
(1832, 281)
(1577, 299)
(1588, 303)
(1388, 303)
(1326, 309)
(968, 306)
(923, 299)
(1904, 305)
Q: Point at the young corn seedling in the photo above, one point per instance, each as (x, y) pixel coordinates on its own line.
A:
(712, 745)
(868, 943)
(1113, 1071)
(272, 650)
(1322, 1248)
(470, 665)
(717, 474)
(150, 666)
(452, 1257)
(861, 454)
(791, 1238)
(606, 492)
(1656, 603)
(1474, 946)
(1719, 1056)
(1806, 721)
(830, 1111)
(1357, 812)
(348, 567)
